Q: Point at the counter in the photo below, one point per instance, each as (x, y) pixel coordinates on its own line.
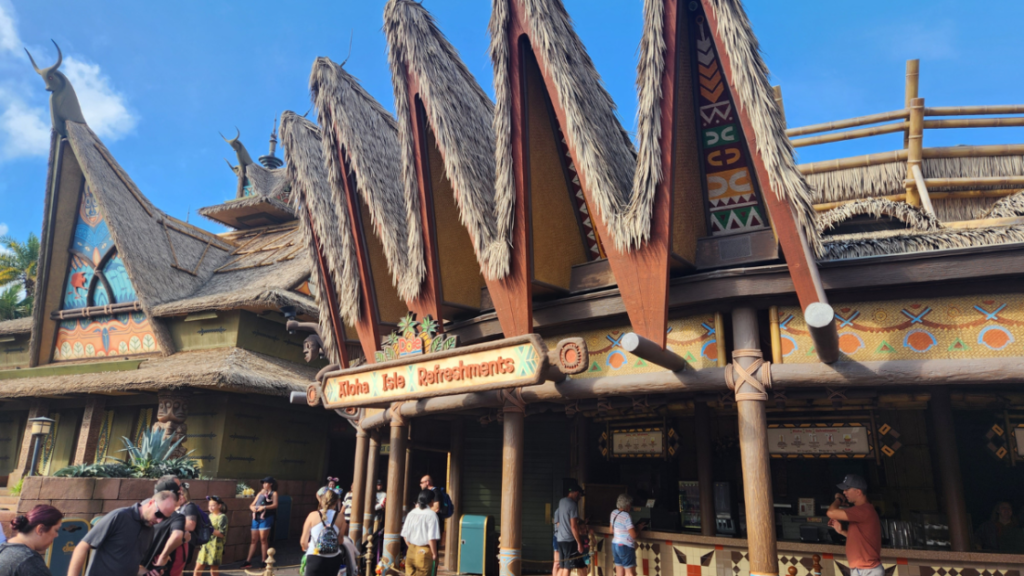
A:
(675, 554)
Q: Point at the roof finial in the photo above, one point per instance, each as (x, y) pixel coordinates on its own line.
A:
(271, 161)
(63, 101)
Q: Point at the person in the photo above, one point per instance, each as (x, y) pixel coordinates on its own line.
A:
(332, 484)
(421, 532)
(623, 537)
(322, 536)
(211, 554)
(346, 504)
(1002, 532)
(34, 532)
(264, 509)
(169, 542)
(380, 496)
(120, 539)
(191, 513)
(864, 532)
(442, 502)
(567, 532)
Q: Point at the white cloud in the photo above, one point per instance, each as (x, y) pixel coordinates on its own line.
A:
(3, 229)
(24, 107)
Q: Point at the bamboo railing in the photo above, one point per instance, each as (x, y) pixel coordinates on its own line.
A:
(913, 121)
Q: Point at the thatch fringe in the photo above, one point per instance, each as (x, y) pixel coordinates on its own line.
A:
(960, 209)
(269, 183)
(878, 207)
(222, 369)
(1007, 207)
(367, 134)
(18, 326)
(650, 70)
(246, 202)
(920, 242)
(755, 95)
(460, 115)
(603, 150)
(311, 194)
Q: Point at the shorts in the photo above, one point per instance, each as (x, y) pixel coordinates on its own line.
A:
(624, 556)
(264, 524)
(569, 556)
(554, 543)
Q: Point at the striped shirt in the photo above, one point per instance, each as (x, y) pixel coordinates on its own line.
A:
(621, 524)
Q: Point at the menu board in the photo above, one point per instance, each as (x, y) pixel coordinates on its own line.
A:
(638, 443)
(850, 439)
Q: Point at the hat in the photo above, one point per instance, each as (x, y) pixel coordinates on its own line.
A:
(853, 481)
(576, 488)
(215, 498)
(169, 485)
(268, 480)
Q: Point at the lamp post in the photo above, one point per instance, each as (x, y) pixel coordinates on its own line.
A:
(40, 427)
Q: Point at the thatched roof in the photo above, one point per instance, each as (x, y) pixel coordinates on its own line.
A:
(459, 114)
(15, 327)
(1007, 207)
(331, 221)
(902, 242)
(753, 93)
(603, 150)
(368, 136)
(272, 183)
(877, 208)
(260, 274)
(222, 369)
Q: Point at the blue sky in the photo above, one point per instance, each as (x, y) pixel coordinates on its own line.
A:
(158, 81)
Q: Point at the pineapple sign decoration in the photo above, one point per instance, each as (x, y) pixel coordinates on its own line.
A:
(414, 338)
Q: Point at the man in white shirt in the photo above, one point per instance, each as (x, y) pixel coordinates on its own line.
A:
(421, 533)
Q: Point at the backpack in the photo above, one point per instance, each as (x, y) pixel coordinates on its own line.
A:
(326, 542)
(204, 529)
(447, 508)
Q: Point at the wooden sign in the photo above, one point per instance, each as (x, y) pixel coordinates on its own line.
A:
(509, 363)
(849, 440)
(638, 443)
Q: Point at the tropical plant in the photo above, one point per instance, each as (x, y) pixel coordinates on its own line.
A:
(94, 471)
(151, 458)
(19, 263)
(16, 489)
(243, 489)
(12, 305)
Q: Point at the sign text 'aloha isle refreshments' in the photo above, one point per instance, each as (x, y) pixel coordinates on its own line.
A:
(508, 363)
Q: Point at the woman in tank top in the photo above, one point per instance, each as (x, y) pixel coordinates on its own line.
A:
(319, 563)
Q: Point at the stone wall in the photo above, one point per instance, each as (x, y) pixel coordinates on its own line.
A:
(87, 498)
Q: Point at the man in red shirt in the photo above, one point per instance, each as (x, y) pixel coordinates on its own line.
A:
(864, 532)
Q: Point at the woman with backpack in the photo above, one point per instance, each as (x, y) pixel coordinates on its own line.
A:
(34, 532)
(321, 537)
(212, 552)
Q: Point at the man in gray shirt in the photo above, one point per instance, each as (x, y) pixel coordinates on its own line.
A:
(119, 539)
(570, 546)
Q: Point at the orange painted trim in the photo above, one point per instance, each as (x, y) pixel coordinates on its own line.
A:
(802, 267)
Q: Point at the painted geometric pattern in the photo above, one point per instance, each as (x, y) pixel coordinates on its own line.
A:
(732, 194)
(119, 335)
(693, 338)
(989, 326)
(590, 238)
(92, 247)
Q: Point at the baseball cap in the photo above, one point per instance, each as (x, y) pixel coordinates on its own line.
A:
(170, 485)
(853, 481)
(577, 488)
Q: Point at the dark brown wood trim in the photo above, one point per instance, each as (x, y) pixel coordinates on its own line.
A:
(337, 326)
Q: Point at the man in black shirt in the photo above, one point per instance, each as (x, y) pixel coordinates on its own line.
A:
(119, 539)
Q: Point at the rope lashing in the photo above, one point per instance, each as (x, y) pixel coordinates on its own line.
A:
(395, 410)
(512, 400)
(749, 375)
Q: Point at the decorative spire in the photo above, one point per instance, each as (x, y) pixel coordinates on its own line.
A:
(271, 161)
(63, 100)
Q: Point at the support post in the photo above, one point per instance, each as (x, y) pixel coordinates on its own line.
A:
(705, 472)
(652, 352)
(753, 431)
(89, 432)
(370, 496)
(580, 456)
(821, 323)
(915, 140)
(910, 91)
(355, 526)
(451, 529)
(396, 481)
(408, 471)
(723, 359)
(37, 409)
(510, 553)
(947, 469)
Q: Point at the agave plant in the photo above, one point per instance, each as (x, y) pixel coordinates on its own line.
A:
(151, 458)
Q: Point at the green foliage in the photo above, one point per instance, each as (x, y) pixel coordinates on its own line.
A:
(241, 488)
(150, 459)
(12, 305)
(94, 471)
(16, 489)
(19, 263)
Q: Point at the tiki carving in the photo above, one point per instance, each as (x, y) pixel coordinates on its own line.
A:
(171, 413)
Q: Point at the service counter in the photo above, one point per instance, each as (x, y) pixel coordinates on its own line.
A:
(682, 554)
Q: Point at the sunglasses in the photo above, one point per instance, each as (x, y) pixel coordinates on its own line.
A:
(160, 515)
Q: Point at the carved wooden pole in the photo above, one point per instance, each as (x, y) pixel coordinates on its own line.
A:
(705, 472)
(396, 482)
(753, 429)
(89, 432)
(355, 526)
(451, 535)
(948, 469)
(510, 553)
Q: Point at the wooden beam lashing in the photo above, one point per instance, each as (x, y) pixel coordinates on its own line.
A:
(644, 348)
(821, 323)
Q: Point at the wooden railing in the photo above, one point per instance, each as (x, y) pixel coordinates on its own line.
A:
(911, 120)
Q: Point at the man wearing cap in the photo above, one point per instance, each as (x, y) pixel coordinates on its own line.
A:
(864, 532)
(570, 544)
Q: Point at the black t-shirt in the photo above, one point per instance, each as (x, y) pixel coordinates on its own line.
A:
(119, 541)
(20, 560)
(191, 510)
(161, 534)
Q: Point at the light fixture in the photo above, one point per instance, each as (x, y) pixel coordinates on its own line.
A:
(40, 427)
